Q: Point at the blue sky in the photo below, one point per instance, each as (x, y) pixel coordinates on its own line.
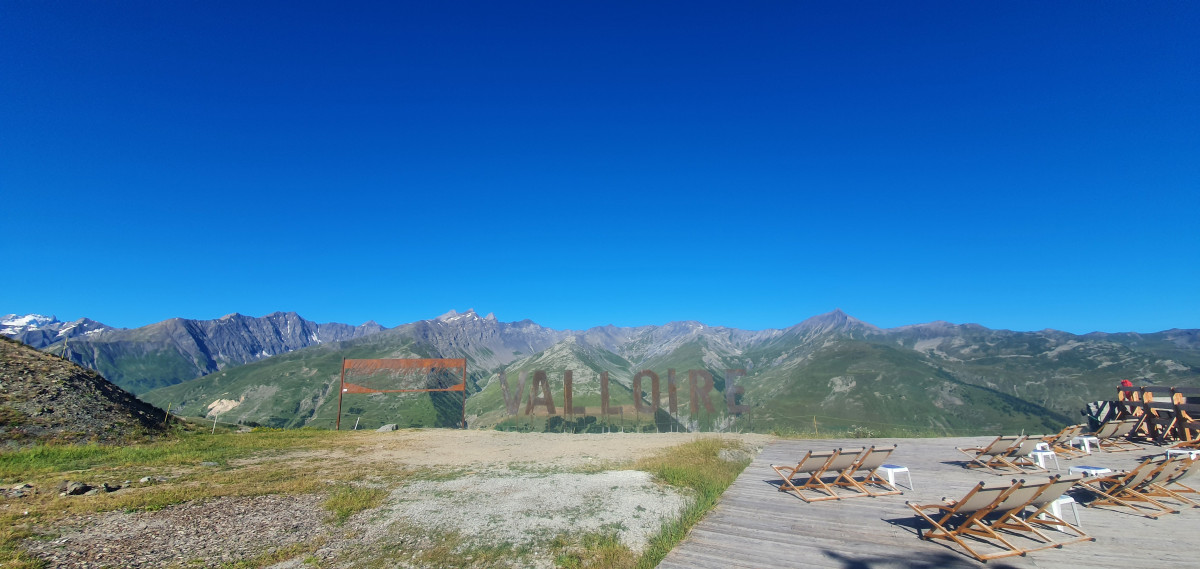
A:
(1022, 165)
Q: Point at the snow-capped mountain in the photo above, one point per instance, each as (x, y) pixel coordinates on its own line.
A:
(41, 331)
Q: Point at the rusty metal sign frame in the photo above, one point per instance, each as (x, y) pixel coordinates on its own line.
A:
(407, 364)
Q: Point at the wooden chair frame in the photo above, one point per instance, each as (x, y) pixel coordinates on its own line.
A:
(866, 468)
(965, 518)
(1061, 443)
(839, 467)
(1121, 489)
(1109, 436)
(1158, 414)
(1171, 473)
(1042, 516)
(812, 463)
(994, 453)
(1187, 413)
(1019, 459)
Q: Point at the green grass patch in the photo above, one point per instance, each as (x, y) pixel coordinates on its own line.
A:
(696, 465)
(268, 558)
(180, 451)
(408, 545)
(592, 550)
(347, 500)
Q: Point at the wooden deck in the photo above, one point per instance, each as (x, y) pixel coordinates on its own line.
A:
(756, 526)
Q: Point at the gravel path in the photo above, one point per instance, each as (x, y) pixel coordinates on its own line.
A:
(204, 534)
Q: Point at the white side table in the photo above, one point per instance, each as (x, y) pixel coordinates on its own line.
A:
(1089, 471)
(1086, 442)
(1041, 455)
(892, 469)
(1189, 452)
(1056, 509)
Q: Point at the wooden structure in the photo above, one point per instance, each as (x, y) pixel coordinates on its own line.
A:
(755, 526)
(1164, 414)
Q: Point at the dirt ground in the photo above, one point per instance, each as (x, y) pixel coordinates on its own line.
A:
(512, 490)
(460, 448)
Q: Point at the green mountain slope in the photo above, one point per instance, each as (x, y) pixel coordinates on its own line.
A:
(829, 372)
(301, 388)
(883, 388)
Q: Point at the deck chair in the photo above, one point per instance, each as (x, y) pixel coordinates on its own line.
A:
(1187, 444)
(839, 469)
(1176, 482)
(811, 463)
(990, 455)
(1121, 489)
(1020, 458)
(1061, 443)
(1111, 434)
(1166, 482)
(956, 520)
(866, 468)
(1042, 516)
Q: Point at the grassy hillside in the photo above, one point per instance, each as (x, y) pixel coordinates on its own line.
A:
(882, 389)
(300, 388)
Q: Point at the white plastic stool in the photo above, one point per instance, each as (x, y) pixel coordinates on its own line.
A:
(1056, 508)
(1088, 471)
(891, 469)
(1188, 452)
(1086, 443)
(1041, 455)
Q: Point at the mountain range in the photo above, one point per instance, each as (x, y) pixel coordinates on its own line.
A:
(828, 372)
(174, 350)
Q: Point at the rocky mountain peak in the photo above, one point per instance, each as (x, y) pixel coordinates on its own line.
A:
(454, 315)
(835, 321)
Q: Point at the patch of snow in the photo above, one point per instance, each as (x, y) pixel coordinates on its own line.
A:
(14, 324)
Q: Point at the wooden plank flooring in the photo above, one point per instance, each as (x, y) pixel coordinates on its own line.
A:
(756, 526)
